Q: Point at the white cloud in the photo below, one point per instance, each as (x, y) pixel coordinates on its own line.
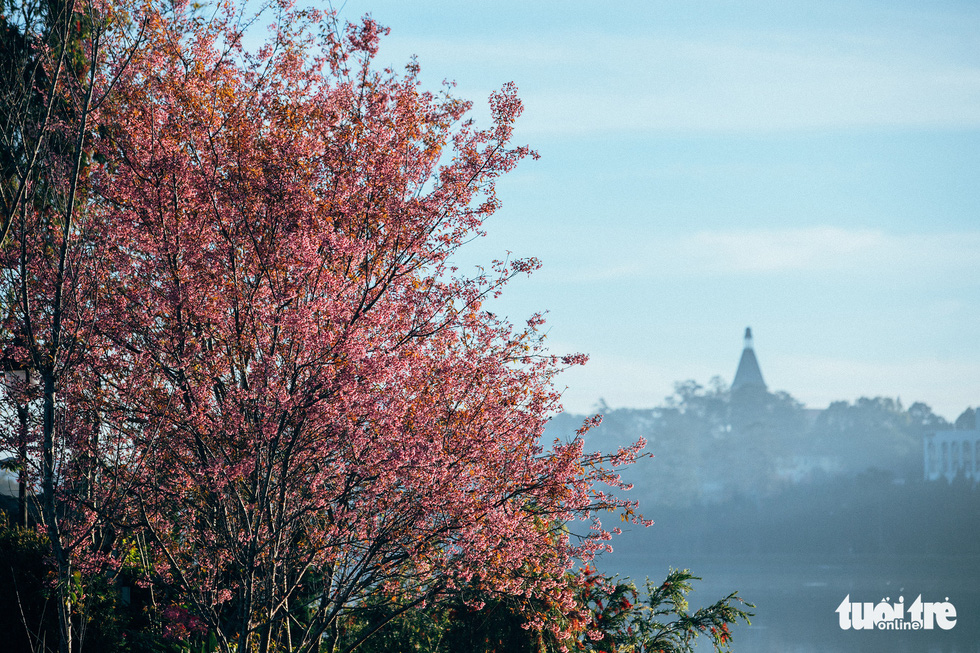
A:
(691, 86)
(823, 249)
(587, 83)
(819, 248)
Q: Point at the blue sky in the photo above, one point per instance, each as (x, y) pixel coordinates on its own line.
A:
(809, 169)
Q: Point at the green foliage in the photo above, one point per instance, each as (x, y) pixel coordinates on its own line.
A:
(967, 420)
(609, 617)
(28, 619)
(610, 607)
(474, 624)
(666, 624)
(869, 433)
(619, 621)
(27, 616)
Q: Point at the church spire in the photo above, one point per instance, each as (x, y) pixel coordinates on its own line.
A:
(748, 373)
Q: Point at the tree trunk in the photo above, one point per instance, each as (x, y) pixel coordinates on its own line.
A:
(49, 504)
(22, 458)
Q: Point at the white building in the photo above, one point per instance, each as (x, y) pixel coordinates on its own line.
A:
(948, 453)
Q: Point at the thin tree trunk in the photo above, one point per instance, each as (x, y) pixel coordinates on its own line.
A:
(50, 509)
(22, 458)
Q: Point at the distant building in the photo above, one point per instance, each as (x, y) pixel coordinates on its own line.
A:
(749, 399)
(950, 453)
(748, 375)
(751, 415)
(9, 487)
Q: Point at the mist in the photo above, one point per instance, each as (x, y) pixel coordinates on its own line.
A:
(798, 508)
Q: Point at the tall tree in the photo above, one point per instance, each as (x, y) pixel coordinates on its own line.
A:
(316, 409)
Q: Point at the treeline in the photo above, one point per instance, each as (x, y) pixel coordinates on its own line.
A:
(705, 446)
(760, 474)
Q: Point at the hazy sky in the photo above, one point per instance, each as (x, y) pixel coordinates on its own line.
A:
(809, 169)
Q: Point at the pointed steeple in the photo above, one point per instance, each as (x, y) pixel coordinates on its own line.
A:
(748, 374)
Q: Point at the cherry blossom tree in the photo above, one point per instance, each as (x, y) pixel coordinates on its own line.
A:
(262, 383)
(316, 408)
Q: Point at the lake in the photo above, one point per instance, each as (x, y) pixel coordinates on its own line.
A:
(796, 598)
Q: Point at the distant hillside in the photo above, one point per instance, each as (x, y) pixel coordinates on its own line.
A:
(709, 445)
(759, 474)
